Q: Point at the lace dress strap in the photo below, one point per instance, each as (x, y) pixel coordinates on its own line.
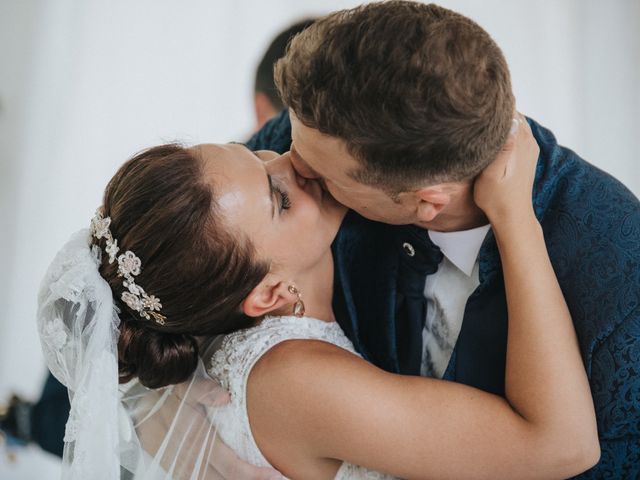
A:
(231, 363)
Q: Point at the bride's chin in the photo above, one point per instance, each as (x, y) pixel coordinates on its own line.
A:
(331, 215)
(335, 215)
(331, 205)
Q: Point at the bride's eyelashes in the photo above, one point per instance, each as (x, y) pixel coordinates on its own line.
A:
(285, 202)
(281, 196)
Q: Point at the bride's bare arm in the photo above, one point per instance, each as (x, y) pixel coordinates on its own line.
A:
(312, 405)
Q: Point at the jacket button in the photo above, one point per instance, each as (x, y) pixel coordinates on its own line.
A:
(408, 249)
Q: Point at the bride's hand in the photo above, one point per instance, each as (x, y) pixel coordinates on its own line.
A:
(180, 431)
(503, 190)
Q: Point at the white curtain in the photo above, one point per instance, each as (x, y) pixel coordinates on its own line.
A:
(85, 83)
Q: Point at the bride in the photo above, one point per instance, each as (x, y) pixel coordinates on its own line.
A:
(211, 265)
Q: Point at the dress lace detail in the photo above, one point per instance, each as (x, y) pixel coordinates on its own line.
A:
(232, 361)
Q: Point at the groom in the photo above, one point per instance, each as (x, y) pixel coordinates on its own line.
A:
(396, 107)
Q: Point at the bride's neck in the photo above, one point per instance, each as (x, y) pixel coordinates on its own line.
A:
(316, 287)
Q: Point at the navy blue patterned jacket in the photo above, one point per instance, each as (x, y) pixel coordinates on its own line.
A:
(591, 224)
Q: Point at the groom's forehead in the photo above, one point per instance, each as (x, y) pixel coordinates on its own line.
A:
(324, 158)
(311, 144)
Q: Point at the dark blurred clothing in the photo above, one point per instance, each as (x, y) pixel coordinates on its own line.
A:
(43, 422)
(49, 416)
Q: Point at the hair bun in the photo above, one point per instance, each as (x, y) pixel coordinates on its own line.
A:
(157, 358)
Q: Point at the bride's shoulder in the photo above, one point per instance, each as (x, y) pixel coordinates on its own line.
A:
(294, 390)
(296, 362)
(313, 355)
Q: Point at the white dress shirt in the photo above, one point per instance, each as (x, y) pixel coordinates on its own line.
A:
(447, 292)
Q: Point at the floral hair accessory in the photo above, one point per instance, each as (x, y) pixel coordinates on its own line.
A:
(129, 266)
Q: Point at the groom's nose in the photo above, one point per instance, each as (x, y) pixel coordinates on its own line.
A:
(301, 180)
(301, 167)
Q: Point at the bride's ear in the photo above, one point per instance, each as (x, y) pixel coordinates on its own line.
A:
(270, 295)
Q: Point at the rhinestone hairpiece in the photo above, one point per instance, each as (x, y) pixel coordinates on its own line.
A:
(129, 266)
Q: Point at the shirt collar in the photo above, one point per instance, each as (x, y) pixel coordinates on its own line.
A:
(461, 248)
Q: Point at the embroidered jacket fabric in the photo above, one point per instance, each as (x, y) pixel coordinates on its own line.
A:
(231, 363)
(591, 224)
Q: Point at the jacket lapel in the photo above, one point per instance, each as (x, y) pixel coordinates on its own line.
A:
(366, 265)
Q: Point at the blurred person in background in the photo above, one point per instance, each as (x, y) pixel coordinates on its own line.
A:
(266, 99)
(42, 422)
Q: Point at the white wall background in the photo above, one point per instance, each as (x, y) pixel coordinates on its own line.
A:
(85, 83)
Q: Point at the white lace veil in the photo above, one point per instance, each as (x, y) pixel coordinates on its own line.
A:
(118, 431)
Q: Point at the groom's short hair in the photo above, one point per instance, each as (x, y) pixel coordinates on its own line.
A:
(418, 93)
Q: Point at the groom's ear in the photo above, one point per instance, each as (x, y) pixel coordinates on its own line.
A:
(270, 295)
(431, 201)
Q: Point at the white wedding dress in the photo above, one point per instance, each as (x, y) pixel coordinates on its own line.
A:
(232, 358)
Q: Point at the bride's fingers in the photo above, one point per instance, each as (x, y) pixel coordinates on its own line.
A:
(196, 422)
(528, 145)
(206, 392)
(499, 168)
(210, 473)
(505, 185)
(520, 155)
(509, 144)
(210, 393)
(231, 467)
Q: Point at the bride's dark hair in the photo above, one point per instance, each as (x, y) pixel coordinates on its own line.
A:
(163, 210)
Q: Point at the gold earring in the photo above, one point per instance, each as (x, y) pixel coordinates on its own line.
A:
(298, 307)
